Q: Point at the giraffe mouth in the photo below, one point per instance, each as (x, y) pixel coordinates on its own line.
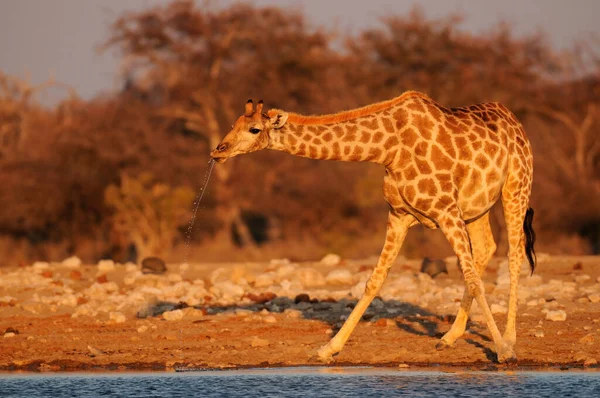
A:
(219, 159)
(218, 156)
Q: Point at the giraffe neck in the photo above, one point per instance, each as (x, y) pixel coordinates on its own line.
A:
(369, 138)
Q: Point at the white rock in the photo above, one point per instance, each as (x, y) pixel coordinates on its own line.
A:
(557, 316)
(106, 266)
(7, 299)
(129, 280)
(265, 279)
(175, 315)
(285, 271)
(9, 335)
(142, 329)
(498, 309)
(594, 297)
(269, 319)
(191, 312)
(310, 277)
(582, 278)
(131, 267)
(174, 278)
(358, 289)
(228, 290)
(40, 265)
(117, 317)
(534, 302)
(331, 259)
(292, 313)
(72, 262)
(339, 277)
(70, 300)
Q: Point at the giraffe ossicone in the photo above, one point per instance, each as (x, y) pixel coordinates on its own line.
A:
(445, 168)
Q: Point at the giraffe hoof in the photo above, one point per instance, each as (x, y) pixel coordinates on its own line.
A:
(324, 355)
(507, 356)
(443, 345)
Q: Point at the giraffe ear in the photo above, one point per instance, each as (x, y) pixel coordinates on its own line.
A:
(278, 119)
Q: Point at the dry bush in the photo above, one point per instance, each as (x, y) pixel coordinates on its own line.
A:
(148, 213)
(188, 70)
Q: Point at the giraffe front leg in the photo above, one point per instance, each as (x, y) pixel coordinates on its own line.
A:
(455, 230)
(397, 228)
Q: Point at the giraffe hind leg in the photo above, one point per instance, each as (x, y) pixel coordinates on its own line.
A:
(483, 248)
(455, 230)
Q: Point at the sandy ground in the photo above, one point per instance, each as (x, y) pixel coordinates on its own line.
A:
(57, 317)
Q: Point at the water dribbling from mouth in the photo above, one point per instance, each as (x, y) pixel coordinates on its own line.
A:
(199, 196)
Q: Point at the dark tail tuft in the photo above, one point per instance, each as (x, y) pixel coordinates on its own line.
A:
(529, 238)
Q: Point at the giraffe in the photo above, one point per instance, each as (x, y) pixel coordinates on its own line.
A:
(445, 168)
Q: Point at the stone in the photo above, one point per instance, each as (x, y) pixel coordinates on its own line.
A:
(292, 313)
(94, 351)
(433, 267)
(339, 277)
(153, 265)
(498, 309)
(590, 362)
(285, 271)
(142, 329)
(331, 259)
(258, 342)
(117, 317)
(105, 266)
(403, 366)
(175, 315)
(9, 335)
(72, 262)
(192, 313)
(587, 339)
(557, 316)
(265, 279)
(269, 319)
(582, 278)
(40, 265)
(594, 297)
(310, 277)
(302, 298)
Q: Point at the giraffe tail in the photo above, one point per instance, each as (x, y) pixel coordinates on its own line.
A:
(529, 238)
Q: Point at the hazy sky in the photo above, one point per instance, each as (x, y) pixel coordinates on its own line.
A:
(59, 38)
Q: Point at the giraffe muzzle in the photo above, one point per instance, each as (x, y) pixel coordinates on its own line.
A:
(218, 154)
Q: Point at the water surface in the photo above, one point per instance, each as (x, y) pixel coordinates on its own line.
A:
(304, 382)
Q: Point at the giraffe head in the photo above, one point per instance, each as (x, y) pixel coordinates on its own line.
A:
(250, 132)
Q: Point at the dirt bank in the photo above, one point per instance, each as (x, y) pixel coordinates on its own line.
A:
(70, 316)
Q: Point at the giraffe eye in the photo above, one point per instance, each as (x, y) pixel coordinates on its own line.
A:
(254, 130)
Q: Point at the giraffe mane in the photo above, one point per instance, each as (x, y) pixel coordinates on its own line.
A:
(344, 116)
